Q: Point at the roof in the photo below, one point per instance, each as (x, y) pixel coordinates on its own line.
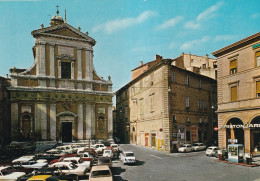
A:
(100, 167)
(237, 44)
(49, 31)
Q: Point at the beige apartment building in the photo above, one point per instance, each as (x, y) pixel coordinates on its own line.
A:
(60, 97)
(239, 93)
(165, 106)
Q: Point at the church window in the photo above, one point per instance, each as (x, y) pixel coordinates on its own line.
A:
(65, 70)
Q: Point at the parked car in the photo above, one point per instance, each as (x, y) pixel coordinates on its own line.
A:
(198, 147)
(43, 178)
(104, 161)
(6, 174)
(127, 157)
(102, 172)
(29, 163)
(108, 153)
(185, 148)
(115, 147)
(99, 147)
(78, 161)
(212, 151)
(111, 141)
(70, 168)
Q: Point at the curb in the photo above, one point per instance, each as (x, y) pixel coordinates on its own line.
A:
(241, 164)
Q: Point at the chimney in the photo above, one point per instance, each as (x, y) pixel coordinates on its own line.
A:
(7, 76)
(141, 63)
(158, 57)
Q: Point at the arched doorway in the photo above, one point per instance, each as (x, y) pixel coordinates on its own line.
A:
(255, 132)
(235, 131)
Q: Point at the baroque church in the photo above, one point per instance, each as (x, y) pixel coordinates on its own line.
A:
(60, 97)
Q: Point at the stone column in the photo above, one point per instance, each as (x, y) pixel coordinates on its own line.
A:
(37, 121)
(247, 140)
(53, 122)
(80, 121)
(40, 66)
(79, 64)
(88, 121)
(89, 65)
(14, 120)
(110, 122)
(52, 65)
(43, 120)
(93, 121)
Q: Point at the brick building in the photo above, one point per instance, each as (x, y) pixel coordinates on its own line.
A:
(60, 97)
(165, 105)
(239, 93)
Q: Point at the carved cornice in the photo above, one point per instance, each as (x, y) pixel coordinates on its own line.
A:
(67, 113)
(62, 56)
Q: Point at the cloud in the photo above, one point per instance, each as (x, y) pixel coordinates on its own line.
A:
(203, 16)
(194, 43)
(172, 45)
(119, 24)
(255, 16)
(224, 37)
(170, 23)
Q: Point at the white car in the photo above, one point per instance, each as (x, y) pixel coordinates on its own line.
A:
(115, 147)
(67, 149)
(29, 163)
(56, 152)
(99, 147)
(78, 161)
(101, 172)
(70, 168)
(185, 148)
(198, 147)
(108, 153)
(127, 157)
(212, 151)
(9, 176)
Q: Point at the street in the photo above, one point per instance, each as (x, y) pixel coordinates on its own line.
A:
(156, 166)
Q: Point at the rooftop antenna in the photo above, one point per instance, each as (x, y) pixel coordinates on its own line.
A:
(65, 16)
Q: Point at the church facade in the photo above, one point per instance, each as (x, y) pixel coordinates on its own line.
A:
(60, 97)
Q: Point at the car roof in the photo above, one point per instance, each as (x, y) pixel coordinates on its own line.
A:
(100, 167)
(40, 177)
(71, 158)
(128, 152)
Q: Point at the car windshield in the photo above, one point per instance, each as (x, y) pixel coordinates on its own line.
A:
(210, 148)
(73, 166)
(129, 154)
(100, 173)
(195, 144)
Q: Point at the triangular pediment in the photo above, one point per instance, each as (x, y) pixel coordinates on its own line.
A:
(64, 31)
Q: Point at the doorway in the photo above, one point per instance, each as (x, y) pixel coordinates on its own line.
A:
(66, 131)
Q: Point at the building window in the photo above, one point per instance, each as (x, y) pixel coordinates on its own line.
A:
(199, 83)
(204, 104)
(199, 104)
(204, 66)
(65, 70)
(187, 80)
(257, 57)
(234, 93)
(233, 66)
(173, 76)
(215, 64)
(258, 89)
(187, 102)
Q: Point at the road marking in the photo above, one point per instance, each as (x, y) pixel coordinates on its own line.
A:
(156, 157)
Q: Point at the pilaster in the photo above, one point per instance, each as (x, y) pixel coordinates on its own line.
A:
(43, 120)
(79, 64)
(110, 122)
(80, 121)
(93, 121)
(88, 120)
(53, 121)
(14, 120)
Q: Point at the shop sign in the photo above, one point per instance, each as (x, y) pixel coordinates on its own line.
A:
(146, 134)
(243, 126)
(232, 140)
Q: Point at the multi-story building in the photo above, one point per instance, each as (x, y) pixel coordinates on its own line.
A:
(239, 93)
(165, 106)
(60, 97)
(5, 125)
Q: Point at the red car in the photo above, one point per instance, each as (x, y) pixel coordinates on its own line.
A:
(71, 155)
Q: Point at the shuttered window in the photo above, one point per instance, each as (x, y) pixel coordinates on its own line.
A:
(257, 55)
(258, 88)
(234, 93)
(233, 66)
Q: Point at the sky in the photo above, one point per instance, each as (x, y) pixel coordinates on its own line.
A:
(129, 31)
